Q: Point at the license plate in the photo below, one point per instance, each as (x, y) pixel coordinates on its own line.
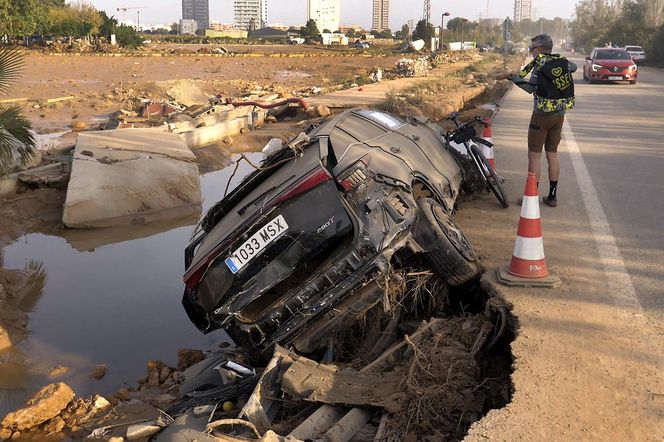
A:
(614, 77)
(256, 244)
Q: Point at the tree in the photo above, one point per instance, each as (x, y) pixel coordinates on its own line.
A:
(593, 17)
(385, 33)
(125, 36)
(424, 31)
(656, 48)
(19, 17)
(403, 33)
(310, 30)
(16, 139)
(630, 26)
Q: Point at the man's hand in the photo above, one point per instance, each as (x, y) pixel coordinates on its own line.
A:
(502, 76)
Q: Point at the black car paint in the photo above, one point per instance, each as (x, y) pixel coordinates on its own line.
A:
(372, 221)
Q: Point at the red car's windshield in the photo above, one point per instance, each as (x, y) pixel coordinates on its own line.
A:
(612, 55)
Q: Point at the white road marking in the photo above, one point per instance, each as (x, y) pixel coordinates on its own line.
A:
(620, 284)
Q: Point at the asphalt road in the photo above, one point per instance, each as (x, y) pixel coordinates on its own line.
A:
(619, 132)
(611, 190)
(588, 354)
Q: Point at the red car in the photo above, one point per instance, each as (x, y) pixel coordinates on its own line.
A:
(610, 64)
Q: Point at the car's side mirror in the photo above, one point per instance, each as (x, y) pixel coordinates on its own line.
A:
(588, 58)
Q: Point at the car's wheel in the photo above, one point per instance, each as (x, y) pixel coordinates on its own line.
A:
(452, 256)
(632, 82)
(585, 77)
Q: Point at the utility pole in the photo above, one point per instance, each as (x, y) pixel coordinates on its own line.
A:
(442, 30)
(138, 21)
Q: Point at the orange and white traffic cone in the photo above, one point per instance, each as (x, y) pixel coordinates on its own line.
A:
(487, 134)
(528, 266)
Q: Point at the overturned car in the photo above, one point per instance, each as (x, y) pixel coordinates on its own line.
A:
(323, 217)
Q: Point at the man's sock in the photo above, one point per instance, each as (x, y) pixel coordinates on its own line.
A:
(553, 188)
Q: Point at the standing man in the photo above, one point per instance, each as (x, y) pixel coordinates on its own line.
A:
(553, 89)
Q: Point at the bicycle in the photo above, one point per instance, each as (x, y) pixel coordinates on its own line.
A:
(478, 173)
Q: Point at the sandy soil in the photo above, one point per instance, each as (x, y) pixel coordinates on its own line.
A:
(101, 84)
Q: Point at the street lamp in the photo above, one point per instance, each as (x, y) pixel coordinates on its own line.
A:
(442, 29)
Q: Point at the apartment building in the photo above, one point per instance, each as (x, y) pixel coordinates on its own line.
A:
(523, 10)
(250, 14)
(198, 10)
(381, 15)
(326, 14)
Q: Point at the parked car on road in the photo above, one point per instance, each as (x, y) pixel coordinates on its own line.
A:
(637, 53)
(325, 215)
(362, 45)
(610, 64)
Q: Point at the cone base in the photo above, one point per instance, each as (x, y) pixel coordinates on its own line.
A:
(505, 278)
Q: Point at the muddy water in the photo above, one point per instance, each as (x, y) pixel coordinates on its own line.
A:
(108, 297)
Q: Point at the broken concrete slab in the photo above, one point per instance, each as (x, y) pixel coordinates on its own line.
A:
(314, 382)
(206, 135)
(50, 175)
(130, 176)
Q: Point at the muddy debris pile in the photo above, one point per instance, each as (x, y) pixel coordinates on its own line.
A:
(413, 67)
(425, 361)
(441, 58)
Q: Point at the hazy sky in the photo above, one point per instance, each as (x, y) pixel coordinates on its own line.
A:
(293, 12)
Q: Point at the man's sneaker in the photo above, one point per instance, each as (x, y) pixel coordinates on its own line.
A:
(551, 202)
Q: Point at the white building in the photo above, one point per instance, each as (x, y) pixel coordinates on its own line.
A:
(250, 14)
(188, 26)
(326, 14)
(381, 15)
(523, 10)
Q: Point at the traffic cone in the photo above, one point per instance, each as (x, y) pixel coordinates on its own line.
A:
(487, 134)
(528, 266)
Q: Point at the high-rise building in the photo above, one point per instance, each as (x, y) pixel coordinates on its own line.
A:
(250, 14)
(198, 10)
(381, 15)
(523, 10)
(326, 14)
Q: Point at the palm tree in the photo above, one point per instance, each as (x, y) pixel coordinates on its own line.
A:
(16, 139)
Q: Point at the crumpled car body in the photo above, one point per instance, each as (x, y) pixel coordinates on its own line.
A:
(319, 222)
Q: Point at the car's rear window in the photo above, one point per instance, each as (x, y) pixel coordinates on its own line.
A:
(612, 55)
(634, 48)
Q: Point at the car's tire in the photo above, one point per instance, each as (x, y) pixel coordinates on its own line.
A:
(632, 82)
(452, 257)
(585, 77)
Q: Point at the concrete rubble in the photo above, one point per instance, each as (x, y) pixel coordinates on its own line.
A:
(130, 176)
(412, 67)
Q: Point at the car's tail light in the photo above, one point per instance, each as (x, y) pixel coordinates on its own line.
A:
(192, 280)
(313, 179)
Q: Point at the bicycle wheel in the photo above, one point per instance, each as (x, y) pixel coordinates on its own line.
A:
(492, 180)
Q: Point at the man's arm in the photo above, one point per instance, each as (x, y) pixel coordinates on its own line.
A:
(528, 86)
(572, 66)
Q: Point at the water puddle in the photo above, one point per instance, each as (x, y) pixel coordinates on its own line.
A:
(108, 296)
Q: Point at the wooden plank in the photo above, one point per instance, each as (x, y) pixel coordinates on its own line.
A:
(55, 100)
